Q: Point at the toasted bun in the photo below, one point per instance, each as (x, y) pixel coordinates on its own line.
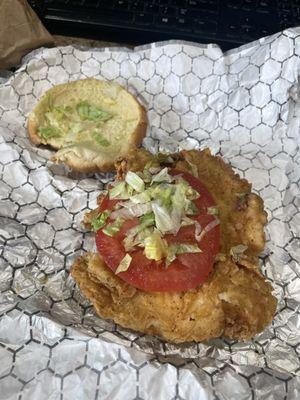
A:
(123, 131)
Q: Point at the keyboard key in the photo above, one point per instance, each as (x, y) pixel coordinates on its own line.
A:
(184, 24)
(204, 7)
(285, 5)
(91, 3)
(249, 5)
(144, 19)
(247, 21)
(152, 8)
(265, 3)
(297, 12)
(105, 4)
(248, 29)
(165, 22)
(183, 12)
(233, 29)
(137, 6)
(263, 6)
(233, 4)
(193, 13)
(167, 11)
(121, 5)
(202, 26)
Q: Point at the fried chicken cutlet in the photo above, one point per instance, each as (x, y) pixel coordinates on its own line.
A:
(234, 301)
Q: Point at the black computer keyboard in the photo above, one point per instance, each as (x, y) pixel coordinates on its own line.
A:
(228, 23)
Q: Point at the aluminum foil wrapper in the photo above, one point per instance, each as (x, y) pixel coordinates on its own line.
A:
(245, 106)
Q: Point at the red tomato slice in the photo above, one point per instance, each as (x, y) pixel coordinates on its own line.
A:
(186, 271)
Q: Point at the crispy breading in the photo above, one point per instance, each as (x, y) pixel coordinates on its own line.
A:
(235, 301)
(241, 213)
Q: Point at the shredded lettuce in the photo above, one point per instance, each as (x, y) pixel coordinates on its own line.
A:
(136, 239)
(211, 225)
(146, 175)
(147, 219)
(100, 220)
(213, 210)
(63, 111)
(49, 132)
(140, 198)
(163, 219)
(159, 158)
(191, 209)
(198, 230)
(193, 168)
(164, 158)
(135, 181)
(180, 248)
(88, 112)
(54, 118)
(76, 127)
(124, 264)
(131, 210)
(100, 139)
(113, 228)
(119, 191)
(186, 221)
(179, 200)
(162, 176)
(162, 203)
(155, 247)
(163, 193)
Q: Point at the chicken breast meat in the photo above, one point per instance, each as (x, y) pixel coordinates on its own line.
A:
(235, 300)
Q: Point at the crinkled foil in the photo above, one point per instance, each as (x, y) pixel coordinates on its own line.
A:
(245, 106)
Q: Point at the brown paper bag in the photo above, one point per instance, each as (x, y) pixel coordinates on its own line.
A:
(20, 32)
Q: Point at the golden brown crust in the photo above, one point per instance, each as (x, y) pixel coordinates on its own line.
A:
(32, 127)
(241, 213)
(229, 303)
(231, 300)
(242, 216)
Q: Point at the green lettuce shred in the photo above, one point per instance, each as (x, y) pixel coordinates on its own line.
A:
(155, 247)
(180, 248)
(212, 210)
(49, 132)
(113, 228)
(100, 139)
(91, 113)
(135, 181)
(124, 264)
(119, 191)
(100, 220)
